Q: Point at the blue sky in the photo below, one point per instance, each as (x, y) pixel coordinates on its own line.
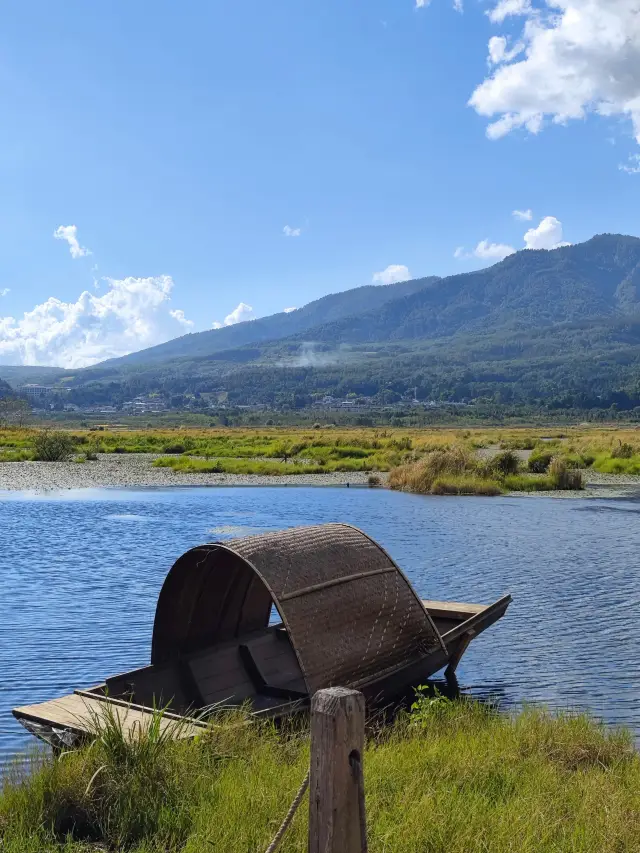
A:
(181, 139)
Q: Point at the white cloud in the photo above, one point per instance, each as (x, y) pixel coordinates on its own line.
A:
(632, 167)
(392, 274)
(498, 50)
(505, 8)
(492, 251)
(580, 56)
(240, 314)
(422, 4)
(288, 231)
(458, 6)
(69, 233)
(5, 291)
(523, 215)
(548, 235)
(178, 314)
(485, 251)
(289, 310)
(132, 314)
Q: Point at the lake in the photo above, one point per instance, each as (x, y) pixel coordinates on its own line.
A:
(81, 572)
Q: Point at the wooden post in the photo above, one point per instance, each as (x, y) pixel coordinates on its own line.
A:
(336, 800)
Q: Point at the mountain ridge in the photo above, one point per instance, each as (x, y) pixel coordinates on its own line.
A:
(329, 308)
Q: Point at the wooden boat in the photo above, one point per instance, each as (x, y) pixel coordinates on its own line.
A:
(347, 616)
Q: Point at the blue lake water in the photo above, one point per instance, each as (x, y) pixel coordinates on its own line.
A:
(81, 571)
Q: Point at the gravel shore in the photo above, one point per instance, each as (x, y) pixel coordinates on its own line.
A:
(136, 469)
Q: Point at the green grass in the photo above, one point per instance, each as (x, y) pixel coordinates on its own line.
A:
(528, 483)
(466, 484)
(450, 778)
(15, 456)
(607, 464)
(236, 466)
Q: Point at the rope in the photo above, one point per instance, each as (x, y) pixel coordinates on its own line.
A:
(290, 815)
(357, 770)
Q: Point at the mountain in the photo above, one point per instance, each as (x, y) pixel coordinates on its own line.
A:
(545, 328)
(530, 289)
(331, 308)
(20, 374)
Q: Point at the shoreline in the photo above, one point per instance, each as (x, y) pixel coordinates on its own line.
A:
(135, 470)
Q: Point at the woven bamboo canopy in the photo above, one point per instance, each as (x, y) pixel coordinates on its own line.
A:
(350, 613)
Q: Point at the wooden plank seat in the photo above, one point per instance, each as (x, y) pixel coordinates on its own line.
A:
(263, 664)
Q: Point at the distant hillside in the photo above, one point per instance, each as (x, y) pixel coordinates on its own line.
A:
(599, 279)
(328, 309)
(541, 328)
(5, 389)
(19, 374)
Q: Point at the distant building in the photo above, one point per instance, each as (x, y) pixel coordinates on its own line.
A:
(34, 391)
(144, 405)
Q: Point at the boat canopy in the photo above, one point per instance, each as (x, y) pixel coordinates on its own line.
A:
(350, 613)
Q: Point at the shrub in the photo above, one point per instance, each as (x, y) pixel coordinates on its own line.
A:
(506, 462)
(91, 456)
(53, 446)
(374, 480)
(564, 478)
(539, 461)
(622, 451)
(174, 448)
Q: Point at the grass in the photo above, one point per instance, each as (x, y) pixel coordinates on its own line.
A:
(450, 777)
(457, 471)
(288, 451)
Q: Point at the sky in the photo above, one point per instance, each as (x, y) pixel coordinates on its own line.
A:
(174, 167)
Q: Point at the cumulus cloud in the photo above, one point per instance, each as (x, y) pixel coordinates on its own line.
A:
(70, 234)
(392, 274)
(492, 251)
(240, 314)
(5, 291)
(178, 314)
(506, 8)
(288, 231)
(580, 56)
(498, 51)
(422, 4)
(523, 215)
(548, 235)
(289, 310)
(132, 314)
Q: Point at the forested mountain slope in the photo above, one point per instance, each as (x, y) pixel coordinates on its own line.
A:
(328, 309)
(599, 278)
